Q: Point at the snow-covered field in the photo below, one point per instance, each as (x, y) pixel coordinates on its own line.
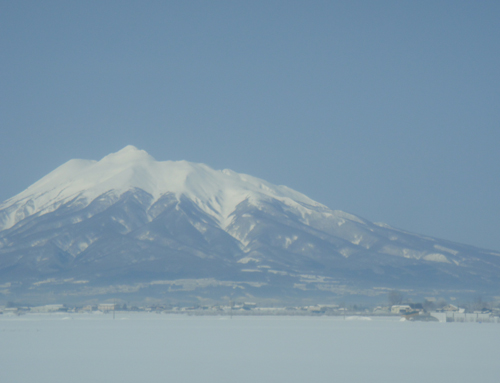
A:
(175, 348)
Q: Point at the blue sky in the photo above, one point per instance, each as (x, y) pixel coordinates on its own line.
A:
(388, 110)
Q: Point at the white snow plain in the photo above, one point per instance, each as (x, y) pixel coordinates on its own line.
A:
(177, 348)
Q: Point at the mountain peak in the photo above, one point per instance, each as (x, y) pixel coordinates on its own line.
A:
(213, 191)
(127, 154)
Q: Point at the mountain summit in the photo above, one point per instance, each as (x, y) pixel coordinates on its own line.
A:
(134, 227)
(215, 192)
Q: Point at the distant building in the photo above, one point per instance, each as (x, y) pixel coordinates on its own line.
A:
(48, 308)
(316, 309)
(416, 306)
(399, 309)
(454, 316)
(329, 306)
(106, 306)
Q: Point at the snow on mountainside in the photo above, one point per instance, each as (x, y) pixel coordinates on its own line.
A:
(131, 224)
(216, 192)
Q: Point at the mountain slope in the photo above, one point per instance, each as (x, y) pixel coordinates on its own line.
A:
(131, 225)
(81, 181)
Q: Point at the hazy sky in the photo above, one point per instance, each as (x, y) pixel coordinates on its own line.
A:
(388, 110)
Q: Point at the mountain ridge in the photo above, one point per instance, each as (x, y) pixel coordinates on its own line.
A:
(129, 168)
(129, 220)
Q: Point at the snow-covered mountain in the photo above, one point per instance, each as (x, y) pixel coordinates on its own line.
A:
(79, 182)
(128, 224)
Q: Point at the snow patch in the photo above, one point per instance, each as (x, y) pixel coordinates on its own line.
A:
(442, 248)
(350, 217)
(201, 228)
(82, 246)
(146, 236)
(357, 239)
(245, 260)
(347, 252)
(238, 237)
(403, 252)
(289, 241)
(436, 257)
(277, 272)
(383, 225)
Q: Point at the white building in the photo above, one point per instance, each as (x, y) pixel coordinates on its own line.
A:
(398, 309)
(106, 306)
(47, 308)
